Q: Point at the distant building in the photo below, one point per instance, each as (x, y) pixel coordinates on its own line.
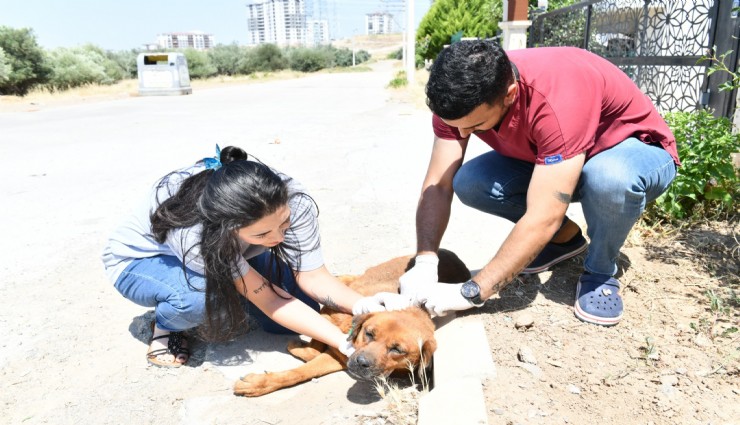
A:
(281, 22)
(317, 32)
(378, 23)
(181, 40)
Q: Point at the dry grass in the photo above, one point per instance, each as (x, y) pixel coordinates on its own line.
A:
(402, 404)
(377, 45)
(41, 98)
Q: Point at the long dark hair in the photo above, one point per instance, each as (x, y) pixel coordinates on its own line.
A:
(224, 200)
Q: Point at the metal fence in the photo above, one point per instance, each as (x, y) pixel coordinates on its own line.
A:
(660, 44)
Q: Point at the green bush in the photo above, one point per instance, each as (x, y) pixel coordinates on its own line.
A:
(113, 70)
(126, 60)
(707, 184)
(269, 57)
(396, 54)
(5, 67)
(79, 66)
(399, 80)
(27, 61)
(199, 64)
(310, 60)
(226, 58)
(361, 56)
(475, 18)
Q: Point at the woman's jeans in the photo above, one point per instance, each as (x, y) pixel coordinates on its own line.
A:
(614, 187)
(160, 282)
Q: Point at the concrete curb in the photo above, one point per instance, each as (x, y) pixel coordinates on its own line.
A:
(461, 362)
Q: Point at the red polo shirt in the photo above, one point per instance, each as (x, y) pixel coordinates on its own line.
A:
(570, 101)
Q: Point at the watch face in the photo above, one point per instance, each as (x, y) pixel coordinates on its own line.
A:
(470, 289)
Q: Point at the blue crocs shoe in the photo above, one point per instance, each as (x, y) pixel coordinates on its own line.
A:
(554, 253)
(598, 300)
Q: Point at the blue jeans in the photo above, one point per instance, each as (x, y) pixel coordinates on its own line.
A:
(614, 187)
(160, 282)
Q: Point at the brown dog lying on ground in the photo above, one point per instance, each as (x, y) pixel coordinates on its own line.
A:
(385, 342)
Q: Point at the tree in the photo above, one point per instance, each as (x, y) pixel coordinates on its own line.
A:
(5, 68)
(126, 60)
(306, 59)
(226, 58)
(447, 17)
(269, 57)
(199, 64)
(77, 66)
(475, 18)
(26, 59)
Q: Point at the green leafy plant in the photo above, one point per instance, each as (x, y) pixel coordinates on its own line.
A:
(447, 17)
(706, 184)
(399, 80)
(199, 64)
(309, 60)
(5, 67)
(25, 60)
(650, 351)
(718, 65)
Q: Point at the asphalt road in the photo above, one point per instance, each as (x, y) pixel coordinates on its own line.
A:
(71, 350)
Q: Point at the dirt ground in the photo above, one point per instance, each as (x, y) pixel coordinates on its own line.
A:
(674, 358)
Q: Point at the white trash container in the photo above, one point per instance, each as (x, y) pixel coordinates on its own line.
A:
(163, 74)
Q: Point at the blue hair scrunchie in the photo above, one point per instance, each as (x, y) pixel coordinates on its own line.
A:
(215, 162)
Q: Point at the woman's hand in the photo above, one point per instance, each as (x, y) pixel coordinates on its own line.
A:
(382, 301)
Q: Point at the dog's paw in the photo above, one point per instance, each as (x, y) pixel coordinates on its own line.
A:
(252, 385)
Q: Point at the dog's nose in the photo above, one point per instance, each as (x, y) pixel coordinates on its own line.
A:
(362, 361)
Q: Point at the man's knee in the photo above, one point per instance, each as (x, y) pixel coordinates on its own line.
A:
(471, 190)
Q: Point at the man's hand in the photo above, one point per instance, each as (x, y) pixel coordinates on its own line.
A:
(441, 298)
(382, 301)
(418, 277)
(345, 346)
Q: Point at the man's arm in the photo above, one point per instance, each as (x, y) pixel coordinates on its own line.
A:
(433, 210)
(549, 194)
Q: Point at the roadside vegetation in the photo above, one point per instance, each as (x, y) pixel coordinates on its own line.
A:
(25, 66)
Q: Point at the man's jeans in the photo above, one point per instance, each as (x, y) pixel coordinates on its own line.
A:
(614, 187)
(160, 282)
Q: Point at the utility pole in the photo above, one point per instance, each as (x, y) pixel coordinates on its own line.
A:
(410, 42)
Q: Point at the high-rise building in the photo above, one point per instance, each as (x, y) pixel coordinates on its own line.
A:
(180, 40)
(281, 22)
(317, 32)
(378, 23)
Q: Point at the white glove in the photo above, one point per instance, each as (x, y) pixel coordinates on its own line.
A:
(441, 298)
(381, 301)
(423, 273)
(345, 347)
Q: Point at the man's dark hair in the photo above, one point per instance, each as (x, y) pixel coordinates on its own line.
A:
(466, 75)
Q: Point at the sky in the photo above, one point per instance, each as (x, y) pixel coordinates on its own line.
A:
(128, 24)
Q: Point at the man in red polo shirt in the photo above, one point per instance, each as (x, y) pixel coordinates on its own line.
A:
(565, 126)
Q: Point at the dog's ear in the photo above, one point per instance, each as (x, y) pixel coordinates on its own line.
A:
(427, 350)
(357, 322)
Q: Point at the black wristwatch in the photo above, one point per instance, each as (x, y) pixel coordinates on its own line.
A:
(471, 292)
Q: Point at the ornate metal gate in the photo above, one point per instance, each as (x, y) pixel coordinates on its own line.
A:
(659, 43)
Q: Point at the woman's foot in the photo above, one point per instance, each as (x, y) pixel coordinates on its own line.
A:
(167, 349)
